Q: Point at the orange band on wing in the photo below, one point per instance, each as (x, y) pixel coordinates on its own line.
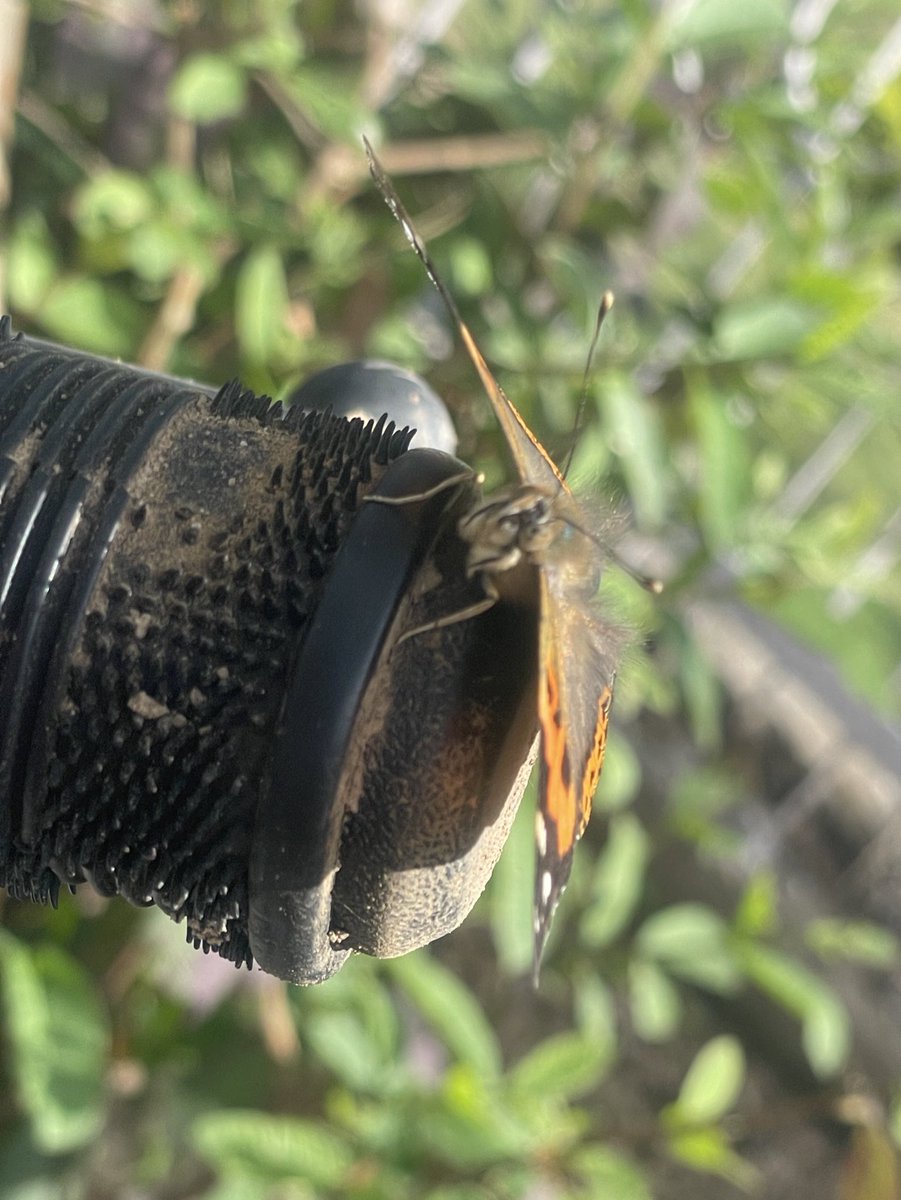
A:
(596, 758)
(560, 800)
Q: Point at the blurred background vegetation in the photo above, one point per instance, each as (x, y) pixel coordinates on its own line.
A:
(719, 1013)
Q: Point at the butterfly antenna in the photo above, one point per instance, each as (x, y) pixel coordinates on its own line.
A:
(649, 582)
(511, 422)
(603, 309)
(394, 202)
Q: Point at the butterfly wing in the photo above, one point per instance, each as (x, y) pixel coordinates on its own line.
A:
(577, 657)
(577, 651)
(575, 690)
(533, 463)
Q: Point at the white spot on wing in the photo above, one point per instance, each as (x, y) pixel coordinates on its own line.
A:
(541, 834)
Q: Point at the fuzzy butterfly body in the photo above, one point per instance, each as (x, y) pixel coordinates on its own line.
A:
(538, 521)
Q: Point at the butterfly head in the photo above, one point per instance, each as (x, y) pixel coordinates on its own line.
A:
(514, 524)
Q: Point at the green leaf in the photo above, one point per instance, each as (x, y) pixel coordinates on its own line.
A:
(158, 249)
(725, 481)
(712, 1083)
(269, 1148)
(336, 238)
(854, 941)
(825, 1027)
(331, 102)
(261, 302)
(724, 21)
(93, 316)
(894, 1118)
(339, 1040)
(636, 439)
(208, 87)
(31, 262)
(693, 942)
(707, 1150)
(653, 1001)
(58, 1040)
(847, 300)
(41, 1187)
(780, 977)
(703, 696)
(758, 909)
(467, 1125)
(826, 1034)
(563, 1065)
(351, 1024)
(458, 1191)
(276, 49)
(450, 1009)
(610, 1174)
(186, 204)
(618, 882)
(595, 1010)
(511, 890)
(621, 777)
(471, 268)
(766, 328)
(114, 200)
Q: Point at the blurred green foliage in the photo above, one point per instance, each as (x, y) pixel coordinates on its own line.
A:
(190, 193)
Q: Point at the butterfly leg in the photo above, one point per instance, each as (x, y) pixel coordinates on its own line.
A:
(462, 614)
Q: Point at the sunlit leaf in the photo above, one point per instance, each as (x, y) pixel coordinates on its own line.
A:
(721, 21)
(595, 1011)
(511, 891)
(466, 1126)
(636, 439)
(712, 1083)
(762, 329)
(261, 304)
(471, 268)
(693, 942)
(621, 777)
(208, 87)
(330, 101)
(610, 1173)
(708, 1150)
(758, 910)
(855, 941)
(340, 1040)
(703, 696)
(31, 262)
(826, 1034)
(724, 483)
(653, 1002)
(58, 1039)
(113, 200)
(268, 1148)
(824, 1020)
(450, 1009)
(564, 1065)
(95, 316)
(618, 881)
